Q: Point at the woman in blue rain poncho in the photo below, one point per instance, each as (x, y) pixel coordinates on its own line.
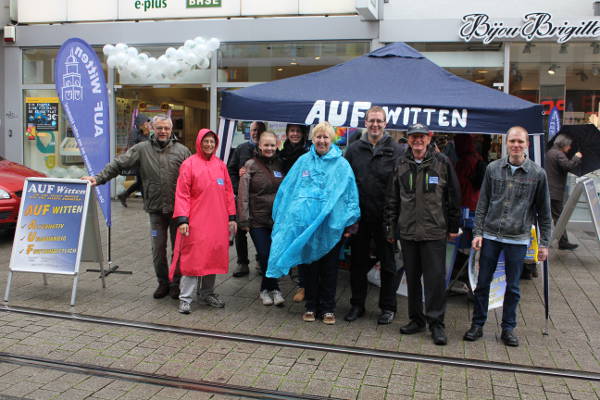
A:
(316, 204)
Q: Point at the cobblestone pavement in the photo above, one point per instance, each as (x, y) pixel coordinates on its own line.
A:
(573, 341)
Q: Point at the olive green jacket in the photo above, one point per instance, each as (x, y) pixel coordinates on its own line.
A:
(159, 169)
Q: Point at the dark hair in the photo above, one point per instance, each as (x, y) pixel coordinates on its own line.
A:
(260, 126)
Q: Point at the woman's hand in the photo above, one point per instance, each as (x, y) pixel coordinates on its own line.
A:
(184, 229)
(232, 228)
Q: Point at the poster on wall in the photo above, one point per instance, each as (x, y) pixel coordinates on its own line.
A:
(49, 231)
(42, 113)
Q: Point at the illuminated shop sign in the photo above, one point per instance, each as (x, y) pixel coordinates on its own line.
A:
(535, 26)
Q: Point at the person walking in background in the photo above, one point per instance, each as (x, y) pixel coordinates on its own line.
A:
(158, 161)
(139, 133)
(205, 218)
(557, 165)
(296, 144)
(315, 204)
(422, 209)
(373, 158)
(514, 194)
(241, 154)
(256, 194)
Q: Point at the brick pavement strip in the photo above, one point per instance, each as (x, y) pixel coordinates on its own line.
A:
(573, 341)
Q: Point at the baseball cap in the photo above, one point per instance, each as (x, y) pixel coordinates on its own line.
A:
(418, 128)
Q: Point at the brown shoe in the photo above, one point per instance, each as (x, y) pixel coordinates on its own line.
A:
(299, 295)
(329, 318)
(174, 292)
(309, 316)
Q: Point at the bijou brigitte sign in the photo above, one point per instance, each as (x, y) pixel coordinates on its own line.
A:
(537, 25)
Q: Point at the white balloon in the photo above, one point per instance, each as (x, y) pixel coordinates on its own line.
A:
(143, 57)
(121, 59)
(162, 61)
(201, 50)
(203, 63)
(121, 47)
(199, 40)
(108, 49)
(191, 58)
(213, 44)
(172, 67)
(132, 64)
(189, 44)
(179, 53)
(59, 172)
(132, 52)
(170, 52)
(111, 61)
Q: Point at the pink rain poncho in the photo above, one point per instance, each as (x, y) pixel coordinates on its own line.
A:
(204, 195)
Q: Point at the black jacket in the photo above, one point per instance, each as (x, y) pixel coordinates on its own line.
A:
(241, 154)
(423, 200)
(291, 152)
(373, 167)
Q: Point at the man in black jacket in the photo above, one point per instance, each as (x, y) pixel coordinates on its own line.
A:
(422, 210)
(241, 154)
(373, 158)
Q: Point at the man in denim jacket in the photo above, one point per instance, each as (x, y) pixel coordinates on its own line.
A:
(514, 194)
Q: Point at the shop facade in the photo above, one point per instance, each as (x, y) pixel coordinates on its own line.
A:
(492, 44)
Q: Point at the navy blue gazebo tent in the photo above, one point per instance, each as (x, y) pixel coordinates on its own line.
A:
(396, 77)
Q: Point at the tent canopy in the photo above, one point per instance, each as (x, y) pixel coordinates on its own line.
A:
(396, 77)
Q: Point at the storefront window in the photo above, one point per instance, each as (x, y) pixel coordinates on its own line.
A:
(265, 61)
(38, 65)
(48, 143)
(566, 76)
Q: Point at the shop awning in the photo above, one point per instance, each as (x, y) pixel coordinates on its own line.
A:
(396, 77)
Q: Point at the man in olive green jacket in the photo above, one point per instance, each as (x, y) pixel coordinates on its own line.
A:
(158, 161)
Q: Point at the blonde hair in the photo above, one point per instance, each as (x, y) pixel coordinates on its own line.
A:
(324, 127)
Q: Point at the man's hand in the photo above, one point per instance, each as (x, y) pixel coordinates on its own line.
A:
(242, 171)
(184, 229)
(452, 236)
(90, 179)
(578, 154)
(542, 253)
(476, 244)
(232, 228)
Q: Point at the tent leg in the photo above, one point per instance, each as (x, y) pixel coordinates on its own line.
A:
(8, 283)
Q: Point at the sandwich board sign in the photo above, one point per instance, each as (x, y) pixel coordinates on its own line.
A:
(583, 185)
(54, 217)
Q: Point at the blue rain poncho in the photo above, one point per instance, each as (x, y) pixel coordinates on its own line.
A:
(316, 201)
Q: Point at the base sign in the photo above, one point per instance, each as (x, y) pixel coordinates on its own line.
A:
(498, 284)
(584, 185)
(50, 228)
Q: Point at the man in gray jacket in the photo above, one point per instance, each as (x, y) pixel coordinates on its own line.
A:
(514, 194)
(158, 161)
(557, 166)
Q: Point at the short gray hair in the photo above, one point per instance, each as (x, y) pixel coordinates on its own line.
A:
(162, 117)
(562, 141)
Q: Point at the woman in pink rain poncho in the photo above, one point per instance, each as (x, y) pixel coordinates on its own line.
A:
(205, 215)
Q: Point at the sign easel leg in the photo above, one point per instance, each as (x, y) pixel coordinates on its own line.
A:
(8, 283)
(74, 290)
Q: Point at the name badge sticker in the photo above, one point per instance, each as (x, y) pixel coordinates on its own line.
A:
(277, 174)
(220, 181)
(305, 173)
(433, 180)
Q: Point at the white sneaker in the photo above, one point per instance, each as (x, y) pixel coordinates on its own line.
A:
(184, 307)
(278, 299)
(266, 299)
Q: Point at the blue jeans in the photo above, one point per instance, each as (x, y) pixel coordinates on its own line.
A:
(513, 261)
(261, 237)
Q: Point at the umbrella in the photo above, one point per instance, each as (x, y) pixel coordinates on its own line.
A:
(586, 139)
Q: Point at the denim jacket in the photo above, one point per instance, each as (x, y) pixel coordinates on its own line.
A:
(510, 204)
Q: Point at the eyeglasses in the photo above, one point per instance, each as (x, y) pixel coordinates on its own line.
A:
(162, 128)
(375, 121)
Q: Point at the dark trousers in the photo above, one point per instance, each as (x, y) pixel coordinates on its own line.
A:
(241, 247)
(161, 226)
(320, 279)
(556, 207)
(360, 266)
(488, 260)
(261, 237)
(425, 258)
